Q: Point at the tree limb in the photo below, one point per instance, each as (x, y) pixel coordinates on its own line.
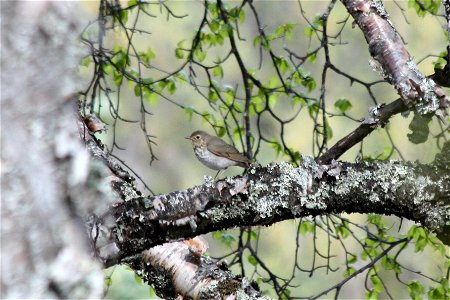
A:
(378, 116)
(392, 59)
(278, 192)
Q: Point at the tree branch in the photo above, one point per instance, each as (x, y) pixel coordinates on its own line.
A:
(392, 59)
(378, 116)
(176, 269)
(278, 192)
(395, 64)
(264, 196)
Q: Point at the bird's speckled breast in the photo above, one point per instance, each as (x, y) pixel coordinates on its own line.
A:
(213, 161)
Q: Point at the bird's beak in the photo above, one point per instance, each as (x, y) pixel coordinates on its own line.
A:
(187, 137)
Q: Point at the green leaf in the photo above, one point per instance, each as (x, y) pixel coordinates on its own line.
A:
(120, 59)
(212, 95)
(229, 94)
(224, 237)
(147, 80)
(181, 43)
(282, 64)
(436, 244)
(253, 235)
(298, 100)
(179, 53)
(318, 21)
(219, 39)
(387, 262)
(273, 99)
(284, 29)
(138, 90)
(419, 236)
(108, 69)
(308, 31)
(151, 97)
(276, 146)
(386, 154)
(349, 271)
(252, 260)
(218, 71)
(306, 227)
(201, 55)
(411, 231)
(343, 104)
(309, 82)
(423, 6)
(189, 110)
(117, 78)
(123, 14)
(440, 62)
(86, 61)
(415, 289)
(256, 41)
(241, 16)
(171, 87)
(208, 118)
(437, 294)
(258, 103)
(152, 292)
(274, 82)
(221, 132)
(312, 57)
(441, 291)
(329, 130)
(376, 219)
(377, 284)
(342, 231)
(351, 259)
(371, 295)
(313, 108)
(286, 294)
(288, 32)
(225, 30)
(138, 279)
(214, 25)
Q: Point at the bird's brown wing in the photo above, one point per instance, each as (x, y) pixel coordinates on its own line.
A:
(218, 147)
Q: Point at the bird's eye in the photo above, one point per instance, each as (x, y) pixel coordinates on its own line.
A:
(197, 137)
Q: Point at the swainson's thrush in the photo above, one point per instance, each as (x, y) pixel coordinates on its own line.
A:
(214, 153)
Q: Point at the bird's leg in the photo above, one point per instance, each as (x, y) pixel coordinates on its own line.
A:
(217, 174)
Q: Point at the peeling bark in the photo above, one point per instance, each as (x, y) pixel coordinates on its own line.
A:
(264, 196)
(392, 60)
(279, 191)
(173, 269)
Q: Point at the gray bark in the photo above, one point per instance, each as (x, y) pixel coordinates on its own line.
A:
(264, 196)
(279, 192)
(45, 169)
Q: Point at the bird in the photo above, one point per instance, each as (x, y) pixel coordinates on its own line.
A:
(215, 153)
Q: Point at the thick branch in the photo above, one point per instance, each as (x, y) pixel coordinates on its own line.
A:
(173, 269)
(176, 269)
(392, 59)
(394, 62)
(270, 194)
